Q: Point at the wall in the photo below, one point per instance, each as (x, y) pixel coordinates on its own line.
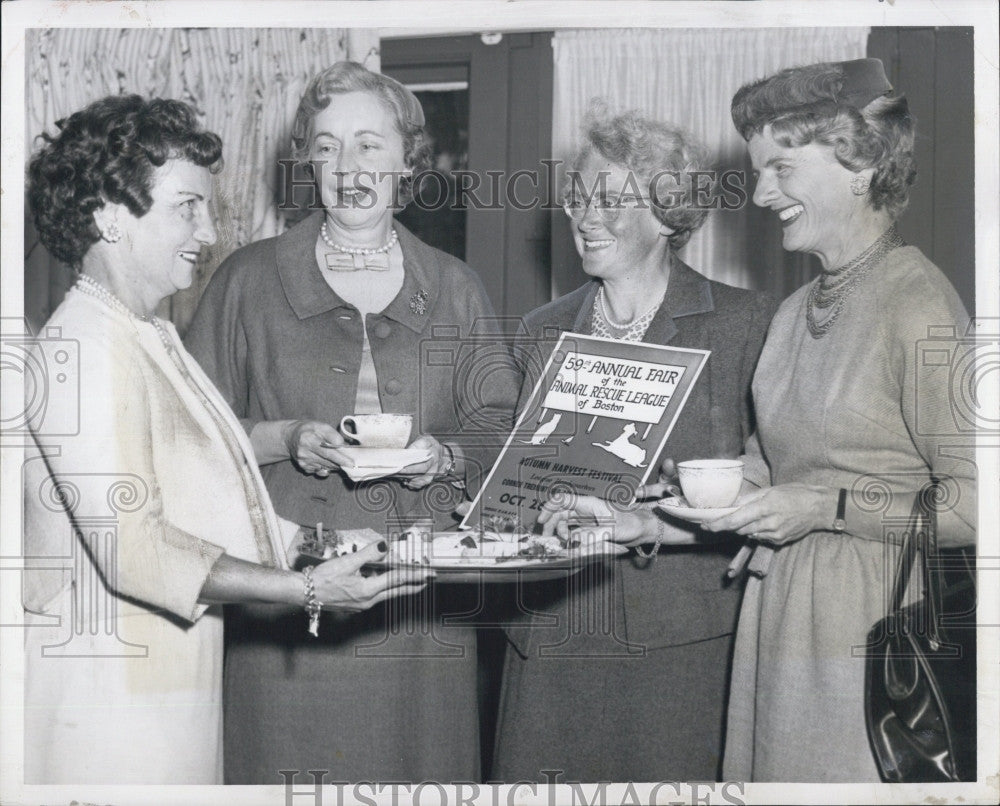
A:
(932, 67)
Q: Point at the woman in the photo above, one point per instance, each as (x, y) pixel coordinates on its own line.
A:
(834, 155)
(157, 497)
(593, 704)
(840, 446)
(296, 338)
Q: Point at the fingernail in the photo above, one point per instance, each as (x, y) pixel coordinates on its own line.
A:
(382, 546)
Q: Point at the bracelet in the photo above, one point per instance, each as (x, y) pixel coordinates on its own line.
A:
(449, 468)
(312, 605)
(661, 530)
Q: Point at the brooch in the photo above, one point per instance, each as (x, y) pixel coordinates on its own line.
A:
(418, 303)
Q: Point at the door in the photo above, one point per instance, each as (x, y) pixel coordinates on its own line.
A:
(489, 108)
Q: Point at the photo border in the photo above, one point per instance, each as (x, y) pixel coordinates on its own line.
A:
(438, 18)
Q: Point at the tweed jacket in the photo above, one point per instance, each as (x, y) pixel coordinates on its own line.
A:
(149, 454)
(124, 520)
(281, 344)
(682, 596)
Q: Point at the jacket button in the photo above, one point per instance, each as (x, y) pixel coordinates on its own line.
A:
(382, 330)
(393, 387)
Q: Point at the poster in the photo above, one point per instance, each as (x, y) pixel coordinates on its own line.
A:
(595, 424)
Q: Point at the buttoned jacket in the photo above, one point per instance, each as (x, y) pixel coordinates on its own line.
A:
(281, 344)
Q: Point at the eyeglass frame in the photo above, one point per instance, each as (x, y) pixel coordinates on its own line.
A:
(607, 214)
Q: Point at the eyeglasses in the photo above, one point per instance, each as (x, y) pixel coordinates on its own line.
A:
(608, 208)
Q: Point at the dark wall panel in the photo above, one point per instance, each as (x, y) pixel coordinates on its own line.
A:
(932, 67)
(954, 161)
(510, 129)
(528, 273)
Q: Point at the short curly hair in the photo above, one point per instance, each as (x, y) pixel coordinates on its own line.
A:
(805, 104)
(404, 106)
(653, 151)
(107, 153)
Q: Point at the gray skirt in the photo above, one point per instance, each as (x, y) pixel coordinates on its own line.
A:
(387, 695)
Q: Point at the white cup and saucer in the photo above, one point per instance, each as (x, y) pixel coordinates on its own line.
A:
(710, 488)
(379, 448)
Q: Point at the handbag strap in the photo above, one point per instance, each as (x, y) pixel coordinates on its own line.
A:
(920, 538)
(923, 520)
(932, 581)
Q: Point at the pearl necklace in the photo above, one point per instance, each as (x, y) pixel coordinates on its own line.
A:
(88, 285)
(352, 250)
(833, 287)
(634, 330)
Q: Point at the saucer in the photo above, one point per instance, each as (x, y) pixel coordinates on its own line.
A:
(374, 463)
(679, 508)
(384, 457)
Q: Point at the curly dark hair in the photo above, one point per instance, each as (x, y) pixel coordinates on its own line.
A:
(404, 106)
(663, 158)
(108, 152)
(806, 104)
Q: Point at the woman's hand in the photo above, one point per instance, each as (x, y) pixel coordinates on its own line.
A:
(313, 445)
(423, 473)
(340, 585)
(781, 514)
(667, 483)
(632, 526)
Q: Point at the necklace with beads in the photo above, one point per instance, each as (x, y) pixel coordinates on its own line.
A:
(833, 287)
(88, 285)
(604, 325)
(351, 258)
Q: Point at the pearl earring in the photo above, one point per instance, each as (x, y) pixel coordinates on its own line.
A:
(859, 186)
(112, 233)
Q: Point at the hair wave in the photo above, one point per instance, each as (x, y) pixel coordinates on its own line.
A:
(107, 153)
(652, 151)
(406, 111)
(801, 106)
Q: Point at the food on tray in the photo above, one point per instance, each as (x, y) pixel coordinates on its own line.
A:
(329, 543)
(474, 547)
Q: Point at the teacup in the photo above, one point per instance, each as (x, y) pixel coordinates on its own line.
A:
(377, 430)
(711, 483)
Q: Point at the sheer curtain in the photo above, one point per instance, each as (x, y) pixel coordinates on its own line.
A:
(244, 82)
(688, 77)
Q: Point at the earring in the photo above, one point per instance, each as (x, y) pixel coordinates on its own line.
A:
(112, 233)
(859, 185)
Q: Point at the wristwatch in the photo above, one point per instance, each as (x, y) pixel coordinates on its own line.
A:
(839, 524)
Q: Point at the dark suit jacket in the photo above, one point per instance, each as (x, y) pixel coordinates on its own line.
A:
(682, 597)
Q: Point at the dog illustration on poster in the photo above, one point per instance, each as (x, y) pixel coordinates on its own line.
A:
(620, 446)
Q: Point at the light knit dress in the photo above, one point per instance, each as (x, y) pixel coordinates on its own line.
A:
(842, 411)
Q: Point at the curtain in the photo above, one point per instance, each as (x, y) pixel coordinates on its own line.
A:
(688, 77)
(245, 84)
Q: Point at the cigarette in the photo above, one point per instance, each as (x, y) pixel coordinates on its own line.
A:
(739, 561)
(319, 530)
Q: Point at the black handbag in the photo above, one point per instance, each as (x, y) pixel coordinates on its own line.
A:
(920, 669)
